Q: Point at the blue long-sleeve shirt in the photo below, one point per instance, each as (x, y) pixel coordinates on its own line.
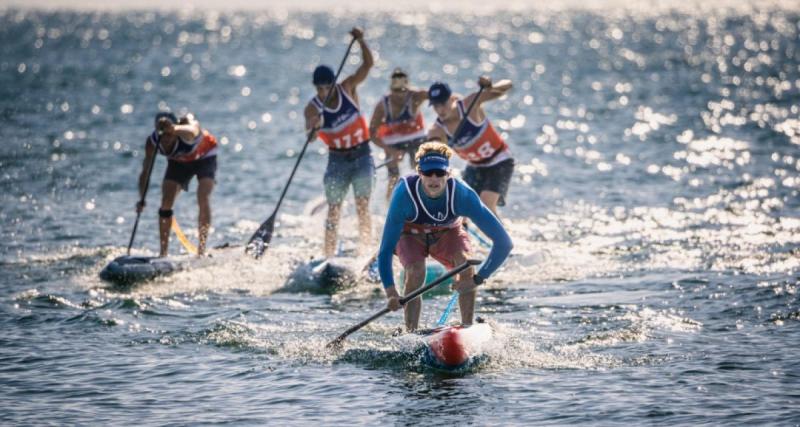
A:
(467, 204)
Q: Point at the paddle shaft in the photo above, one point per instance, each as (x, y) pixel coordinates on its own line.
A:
(190, 248)
(466, 116)
(448, 309)
(405, 299)
(141, 200)
(264, 232)
(386, 163)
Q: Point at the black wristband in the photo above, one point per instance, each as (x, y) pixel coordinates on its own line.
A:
(477, 279)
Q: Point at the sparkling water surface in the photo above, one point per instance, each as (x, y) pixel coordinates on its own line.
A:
(654, 211)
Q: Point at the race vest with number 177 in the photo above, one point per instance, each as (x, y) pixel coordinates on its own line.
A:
(343, 127)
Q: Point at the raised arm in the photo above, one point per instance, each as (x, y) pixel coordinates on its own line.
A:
(490, 92)
(418, 97)
(188, 128)
(362, 72)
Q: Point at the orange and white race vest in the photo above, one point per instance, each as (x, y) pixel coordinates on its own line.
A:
(404, 127)
(204, 145)
(343, 127)
(479, 144)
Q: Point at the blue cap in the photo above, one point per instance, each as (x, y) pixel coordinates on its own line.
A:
(323, 75)
(439, 93)
(433, 161)
(165, 115)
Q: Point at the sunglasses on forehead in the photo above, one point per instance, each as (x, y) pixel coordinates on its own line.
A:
(434, 172)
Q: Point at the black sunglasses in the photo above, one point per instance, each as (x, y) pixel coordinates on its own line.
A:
(434, 172)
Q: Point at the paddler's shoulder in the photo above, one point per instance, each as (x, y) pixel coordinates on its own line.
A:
(462, 188)
(402, 190)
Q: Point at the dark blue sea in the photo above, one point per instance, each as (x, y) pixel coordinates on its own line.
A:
(654, 211)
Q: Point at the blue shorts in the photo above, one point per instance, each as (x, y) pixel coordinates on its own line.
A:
(345, 167)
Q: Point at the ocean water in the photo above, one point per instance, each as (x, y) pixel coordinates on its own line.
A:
(654, 211)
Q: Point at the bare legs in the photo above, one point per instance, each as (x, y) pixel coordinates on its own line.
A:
(332, 226)
(169, 191)
(364, 224)
(392, 154)
(204, 189)
(414, 276)
(466, 300)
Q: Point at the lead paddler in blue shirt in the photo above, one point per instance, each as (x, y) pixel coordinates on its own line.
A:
(424, 219)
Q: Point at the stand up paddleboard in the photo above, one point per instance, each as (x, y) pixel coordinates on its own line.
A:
(126, 270)
(323, 275)
(455, 348)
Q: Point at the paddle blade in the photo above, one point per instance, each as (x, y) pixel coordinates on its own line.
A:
(259, 242)
(335, 345)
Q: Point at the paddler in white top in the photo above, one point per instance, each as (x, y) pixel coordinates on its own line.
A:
(397, 125)
(489, 161)
(341, 126)
(191, 151)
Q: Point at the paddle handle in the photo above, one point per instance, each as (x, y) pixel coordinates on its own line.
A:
(141, 199)
(448, 309)
(405, 299)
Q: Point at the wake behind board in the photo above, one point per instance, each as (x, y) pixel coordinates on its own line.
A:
(454, 349)
(323, 276)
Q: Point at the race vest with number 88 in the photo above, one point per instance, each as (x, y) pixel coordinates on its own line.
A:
(487, 144)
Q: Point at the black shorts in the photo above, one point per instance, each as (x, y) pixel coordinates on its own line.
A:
(182, 172)
(495, 178)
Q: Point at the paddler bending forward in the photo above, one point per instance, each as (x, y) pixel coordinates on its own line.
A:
(424, 220)
(190, 151)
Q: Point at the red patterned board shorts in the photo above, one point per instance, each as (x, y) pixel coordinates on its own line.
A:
(442, 246)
